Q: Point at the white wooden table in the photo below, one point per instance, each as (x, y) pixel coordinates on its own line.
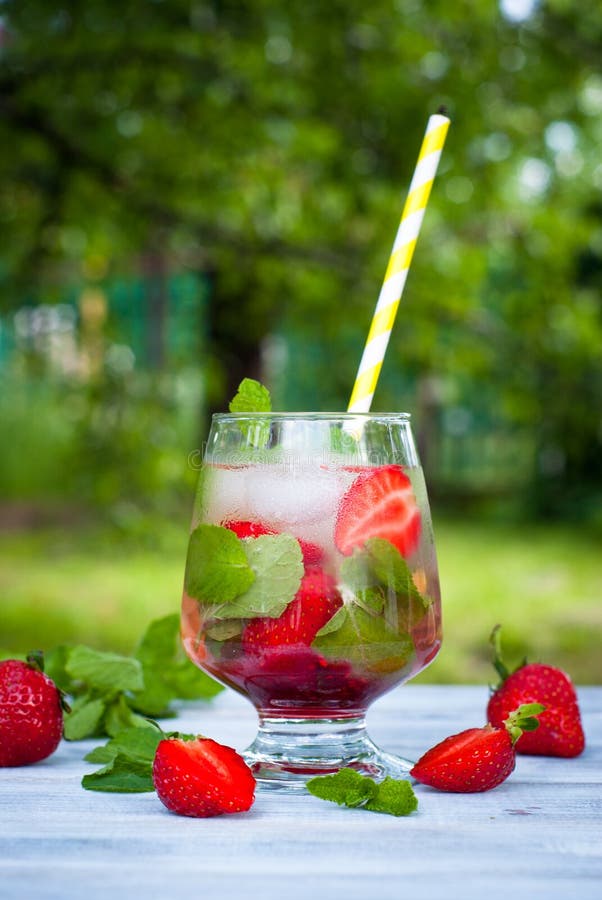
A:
(537, 835)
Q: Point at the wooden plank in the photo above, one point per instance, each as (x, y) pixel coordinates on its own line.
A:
(538, 834)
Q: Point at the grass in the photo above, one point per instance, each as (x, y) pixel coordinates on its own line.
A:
(542, 583)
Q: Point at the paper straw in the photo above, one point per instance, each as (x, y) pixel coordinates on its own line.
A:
(399, 264)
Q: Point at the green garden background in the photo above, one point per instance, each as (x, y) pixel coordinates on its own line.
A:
(194, 191)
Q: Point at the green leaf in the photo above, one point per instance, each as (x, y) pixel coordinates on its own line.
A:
(277, 562)
(393, 797)
(251, 396)
(224, 630)
(134, 743)
(84, 719)
(334, 623)
(122, 775)
(365, 640)
(106, 672)
(347, 788)
(119, 716)
(391, 569)
(168, 673)
(356, 572)
(55, 661)
(524, 718)
(217, 570)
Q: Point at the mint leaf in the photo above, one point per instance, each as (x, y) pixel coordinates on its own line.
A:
(168, 673)
(366, 640)
(217, 570)
(84, 719)
(393, 797)
(391, 569)
(334, 623)
(356, 572)
(107, 672)
(134, 743)
(119, 716)
(55, 661)
(277, 563)
(122, 775)
(222, 631)
(251, 397)
(347, 788)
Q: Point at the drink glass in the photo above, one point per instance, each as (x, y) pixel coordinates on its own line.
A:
(311, 582)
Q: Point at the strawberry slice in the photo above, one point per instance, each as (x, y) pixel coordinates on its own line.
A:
(202, 778)
(313, 605)
(379, 503)
(560, 731)
(312, 553)
(477, 759)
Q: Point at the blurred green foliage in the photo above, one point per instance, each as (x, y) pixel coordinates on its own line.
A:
(268, 145)
(541, 582)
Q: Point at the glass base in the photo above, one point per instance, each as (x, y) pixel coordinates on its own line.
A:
(288, 752)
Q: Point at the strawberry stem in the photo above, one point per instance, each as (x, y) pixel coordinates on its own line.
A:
(495, 639)
(35, 659)
(523, 718)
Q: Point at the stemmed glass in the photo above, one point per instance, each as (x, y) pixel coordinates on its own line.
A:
(311, 581)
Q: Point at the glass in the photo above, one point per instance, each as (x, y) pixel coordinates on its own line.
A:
(311, 581)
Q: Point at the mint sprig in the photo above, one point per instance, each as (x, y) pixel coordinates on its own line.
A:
(382, 604)
(110, 692)
(349, 788)
(365, 640)
(128, 760)
(251, 396)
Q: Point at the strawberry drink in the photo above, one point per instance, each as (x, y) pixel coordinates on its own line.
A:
(311, 581)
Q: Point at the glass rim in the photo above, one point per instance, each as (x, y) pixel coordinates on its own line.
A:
(314, 416)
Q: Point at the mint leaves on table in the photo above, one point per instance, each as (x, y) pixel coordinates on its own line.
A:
(111, 692)
(348, 788)
(242, 579)
(127, 762)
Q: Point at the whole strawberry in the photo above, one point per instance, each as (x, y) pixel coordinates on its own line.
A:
(31, 712)
(477, 759)
(560, 732)
(202, 778)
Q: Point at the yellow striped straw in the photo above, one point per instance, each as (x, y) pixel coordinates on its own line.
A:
(399, 264)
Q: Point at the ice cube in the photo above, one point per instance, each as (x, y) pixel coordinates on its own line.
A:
(284, 498)
(225, 494)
